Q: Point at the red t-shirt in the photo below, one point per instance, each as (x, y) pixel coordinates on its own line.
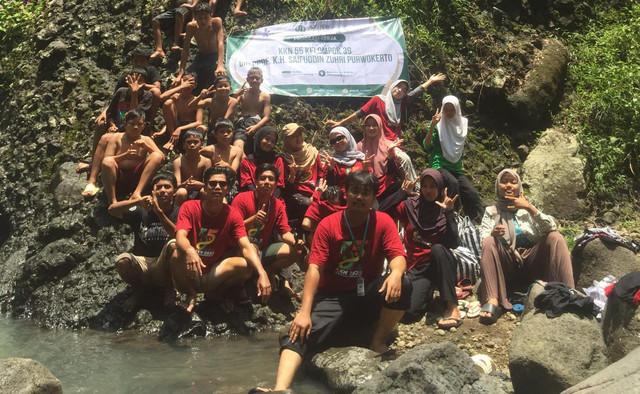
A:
(248, 172)
(338, 175)
(306, 181)
(333, 249)
(378, 107)
(211, 236)
(320, 209)
(260, 234)
(418, 248)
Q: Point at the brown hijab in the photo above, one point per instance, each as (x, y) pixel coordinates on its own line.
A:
(426, 216)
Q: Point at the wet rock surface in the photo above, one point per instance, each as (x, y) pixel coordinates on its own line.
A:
(26, 376)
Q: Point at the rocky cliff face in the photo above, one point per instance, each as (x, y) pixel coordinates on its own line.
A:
(57, 249)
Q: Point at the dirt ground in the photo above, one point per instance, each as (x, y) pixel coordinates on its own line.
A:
(471, 336)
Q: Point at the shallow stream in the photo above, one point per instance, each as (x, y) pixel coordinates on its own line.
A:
(88, 361)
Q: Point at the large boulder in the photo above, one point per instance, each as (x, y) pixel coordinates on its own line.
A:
(599, 259)
(433, 368)
(25, 376)
(346, 368)
(531, 105)
(620, 327)
(620, 377)
(550, 355)
(552, 174)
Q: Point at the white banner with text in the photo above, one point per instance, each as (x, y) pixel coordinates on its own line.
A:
(337, 57)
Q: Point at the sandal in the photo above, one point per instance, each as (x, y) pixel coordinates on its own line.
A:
(496, 312)
(461, 294)
(473, 309)
(466, 285)
(446, 326)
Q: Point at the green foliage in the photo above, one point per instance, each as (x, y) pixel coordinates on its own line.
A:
(17, 17)
(606, 114)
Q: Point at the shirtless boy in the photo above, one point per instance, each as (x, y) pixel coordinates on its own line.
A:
(205, 232)
(180, 112)
(222, 153)
(209, 36)
(131, 159)
(189, 168)
(221, 105)
(256, 109)
(124, 99)
(175, 18)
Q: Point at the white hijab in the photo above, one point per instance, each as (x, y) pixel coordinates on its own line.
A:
(453, 132)
(392, 106)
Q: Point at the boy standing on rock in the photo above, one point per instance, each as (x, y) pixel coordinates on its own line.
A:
(206, 232)
(256, 109)
(131, 159)
(209, 36)
(152, 219)
(343, 283)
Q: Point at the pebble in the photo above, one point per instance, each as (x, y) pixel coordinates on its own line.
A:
(511, 316)
(402, 344)
(440, 332)
(453, 329)
(490, 345)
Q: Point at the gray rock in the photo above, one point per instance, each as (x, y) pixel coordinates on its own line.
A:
(68, 192)
(532, 103)
(430, 368)
(25, 376)
(620, 377)
(345, 368)
(599, 259)
(553, 173)
(620, 327)
(550, 355)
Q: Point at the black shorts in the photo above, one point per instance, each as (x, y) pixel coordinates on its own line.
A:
(329, 311)
(168, 18)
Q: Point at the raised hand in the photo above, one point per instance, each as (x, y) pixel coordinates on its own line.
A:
(437, 77)
(293, 170)
(498, 231)
(329, 162)
(409, 186)
(332, 123)
(133, 80)
(366, 163)
(436, 117)
(448, 203)
(322, 185)
(395, 144)
(518, 202)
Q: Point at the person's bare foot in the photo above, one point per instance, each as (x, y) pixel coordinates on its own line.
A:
(494, 302)
(82, 167)
(287, 291)
(132, 302)
(191, 303)
(90, 190)
(239, 14)
(380, 348)
(157, 53)
(176, 47)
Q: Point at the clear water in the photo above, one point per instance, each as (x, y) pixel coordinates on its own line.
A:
(90, 361)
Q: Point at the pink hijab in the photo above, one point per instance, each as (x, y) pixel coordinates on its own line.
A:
(377, 146)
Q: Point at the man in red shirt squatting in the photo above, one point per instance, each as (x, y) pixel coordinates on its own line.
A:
(206, 231)
(344, 279)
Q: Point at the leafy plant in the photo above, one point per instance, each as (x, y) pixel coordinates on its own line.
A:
(17, 17)
(606, 114)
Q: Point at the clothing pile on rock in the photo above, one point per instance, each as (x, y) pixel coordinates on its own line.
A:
(606, 234)
(558, 298)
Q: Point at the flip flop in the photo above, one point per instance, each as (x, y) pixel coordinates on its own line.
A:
(466, 285)
(443, 326)
(496, 312)
(461, 294)
(473, 309)
(90, 190)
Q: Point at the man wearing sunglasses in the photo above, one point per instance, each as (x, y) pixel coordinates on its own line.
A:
(206, 233)
(152, 219)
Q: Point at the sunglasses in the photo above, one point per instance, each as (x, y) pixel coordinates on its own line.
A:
(337, 139)
(214, 184)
